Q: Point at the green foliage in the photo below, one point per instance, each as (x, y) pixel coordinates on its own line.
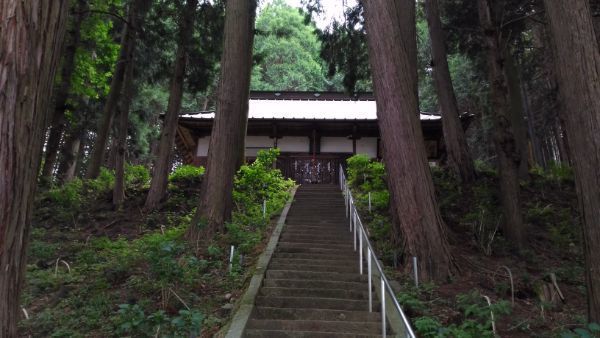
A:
(556, 172)
(104, 182)
(258, 182)
(428, 327)
(366, 176)
(136, 176)
(591, 330)
(563, 229)
(68, 196)
(254, 184)
(132, 320)
(96, 55)
(477, 317)
(287, 51)
(187, 174)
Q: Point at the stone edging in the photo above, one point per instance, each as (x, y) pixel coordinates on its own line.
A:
(246, 305)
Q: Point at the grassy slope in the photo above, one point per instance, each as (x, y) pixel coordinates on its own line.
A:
(131, 273)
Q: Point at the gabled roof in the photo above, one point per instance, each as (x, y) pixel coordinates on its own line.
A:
(309, 106)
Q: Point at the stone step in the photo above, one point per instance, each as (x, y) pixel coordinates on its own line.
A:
(314, 220)
(316, 275)
(314, 292)
(297, 249)
(348, 256)
(307, 283)
(313, 262)
(323, 229)
(315, 302)
(342, 246)
(253, 333)
(315, 314)
(304, 238)
(316, 326)
(348, 268)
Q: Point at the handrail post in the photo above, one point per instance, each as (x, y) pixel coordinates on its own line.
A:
(383, 329)
(355, 232)
(360, 250)
(369, 272)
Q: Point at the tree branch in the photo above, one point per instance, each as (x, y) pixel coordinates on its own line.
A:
(524, 17)
(113, 14)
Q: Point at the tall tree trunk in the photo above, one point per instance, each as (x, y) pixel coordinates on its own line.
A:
(516, 113)
(120, 141)
(227, 139)
(578, 72)
(70, 152)
(504, 141)
(392, 56)
(31, 39)
(112, 100)
(62, 93)
(459, 158)
(158, 186)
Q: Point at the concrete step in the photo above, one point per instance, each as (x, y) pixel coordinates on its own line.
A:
(314, 314)
(323, 229)
(306, 283)
(296, 244)
(314, 292)
(347, 256)
(315, 302)
(313, 262)
(316, 275)
(254, 333)
(316, 326)
(303, 238)
(349, 268)
(332, 251)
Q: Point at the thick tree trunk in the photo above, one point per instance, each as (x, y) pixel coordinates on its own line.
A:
(112, 100)
(121, 137)
(507, 151)
(578, 72)
(392, 57)
(516, 113)
(62, 93)
(31, 39)
(227, 140)
(162, 165)
(459, 158)
(70, 152)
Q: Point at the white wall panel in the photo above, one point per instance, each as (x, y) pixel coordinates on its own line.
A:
(336, 145)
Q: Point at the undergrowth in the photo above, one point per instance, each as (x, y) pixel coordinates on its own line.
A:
(139, 277)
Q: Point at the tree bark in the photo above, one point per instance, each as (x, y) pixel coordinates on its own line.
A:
(121, 136)
(162, 165)
(31, 39)
(517, 113)
(70, 152)
(578, 73)
(507, 151)
(227, 139)
(112, 100)
(392, 57)
(457, 149)
(62, 93)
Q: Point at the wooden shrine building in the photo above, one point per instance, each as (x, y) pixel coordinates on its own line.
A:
(315, 132)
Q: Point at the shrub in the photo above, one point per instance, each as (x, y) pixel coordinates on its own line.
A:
(67, 196)
(136, 176)
(258, 182)
(104, 181)
(186, 173)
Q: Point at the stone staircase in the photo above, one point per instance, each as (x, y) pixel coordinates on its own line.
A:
(312, 286)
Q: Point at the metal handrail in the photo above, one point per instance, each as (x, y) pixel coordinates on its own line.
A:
(357, 227)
